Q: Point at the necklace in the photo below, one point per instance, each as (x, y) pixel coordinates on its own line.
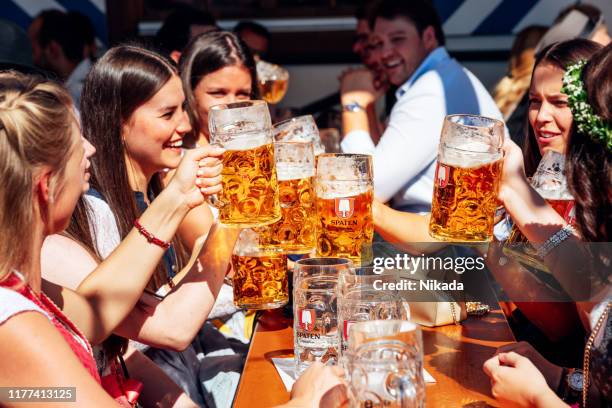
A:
(587, 353)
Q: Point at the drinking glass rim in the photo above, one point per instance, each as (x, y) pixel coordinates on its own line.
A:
(296, 119)
(347, 155)
(350, 352)
(239, 104)
(495, 122)
(444, 145)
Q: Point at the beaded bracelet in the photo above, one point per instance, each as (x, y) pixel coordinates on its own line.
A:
(150, 237)
(555, 240)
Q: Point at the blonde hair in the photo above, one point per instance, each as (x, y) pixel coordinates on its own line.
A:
(36, 125)
(511, 88)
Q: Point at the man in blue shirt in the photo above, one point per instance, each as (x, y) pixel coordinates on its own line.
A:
(409, 41)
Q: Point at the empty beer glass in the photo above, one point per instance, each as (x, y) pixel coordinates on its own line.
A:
(301, 128)
(273, 81)
(260, 277)
(364, 295)
(250, 189)
(467, 179)
(344, 194)
(295, 232)
(550, 182)
(315, 323)
(384, 364)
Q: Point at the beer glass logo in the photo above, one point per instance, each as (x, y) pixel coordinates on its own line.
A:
(442, 175)
(344, 207)
(306, 319)
(570, 213)
(347, 327)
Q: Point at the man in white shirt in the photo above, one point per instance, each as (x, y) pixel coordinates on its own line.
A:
(409, 39)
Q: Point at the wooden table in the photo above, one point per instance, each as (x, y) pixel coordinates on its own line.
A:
(453, 356)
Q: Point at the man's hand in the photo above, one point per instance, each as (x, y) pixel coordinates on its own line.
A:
(359, 85)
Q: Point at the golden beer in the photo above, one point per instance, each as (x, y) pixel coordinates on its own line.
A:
(260, 280)
(345, 226)
(295, 232)
(464, 202)
(250, 188)
(273, 90)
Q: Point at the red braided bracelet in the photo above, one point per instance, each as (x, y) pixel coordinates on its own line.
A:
(150, 237)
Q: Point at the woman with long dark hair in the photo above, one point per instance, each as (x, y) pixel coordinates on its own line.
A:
(216, 67)
(587, 87)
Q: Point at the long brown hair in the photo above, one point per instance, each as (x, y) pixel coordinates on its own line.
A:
(560, 55)
(589, 162)
(36, 130)
(122, 80)
(205, 54)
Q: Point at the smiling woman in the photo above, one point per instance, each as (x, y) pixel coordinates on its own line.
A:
(550, 118)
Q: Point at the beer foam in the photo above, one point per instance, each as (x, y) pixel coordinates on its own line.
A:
(246, 142)
(469, 155)
(292, 171)
(330, 191)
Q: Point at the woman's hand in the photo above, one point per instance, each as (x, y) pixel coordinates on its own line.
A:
(552, 373)
(516, 382)
(319, 386)
(513, 172)
(198, 174)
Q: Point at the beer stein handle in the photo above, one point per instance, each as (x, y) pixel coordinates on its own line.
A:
(213, 199)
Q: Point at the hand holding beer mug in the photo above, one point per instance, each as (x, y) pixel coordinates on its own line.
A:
(467, 179)
(250, 189)
(273, 81)
(260, 278)
(302, 128)
(295, 232)
(344, 194)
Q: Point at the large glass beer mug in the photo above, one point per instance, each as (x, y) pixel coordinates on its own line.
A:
(295, 232)
(273, 81)
(344, 194)
(302, 128)
(260, 277)
(467, 179)
(250, 188)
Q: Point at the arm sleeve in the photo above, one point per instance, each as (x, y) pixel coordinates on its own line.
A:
(409, 143)
(12, 303)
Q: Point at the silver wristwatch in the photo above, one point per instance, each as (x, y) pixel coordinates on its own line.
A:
(352, 107)
(575, 380)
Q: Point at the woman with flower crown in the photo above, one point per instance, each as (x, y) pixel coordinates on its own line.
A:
(514, 378)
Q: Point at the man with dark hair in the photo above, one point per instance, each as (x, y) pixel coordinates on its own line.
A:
(180, 26)
(409, 42)
(255, 36)
(61, 44)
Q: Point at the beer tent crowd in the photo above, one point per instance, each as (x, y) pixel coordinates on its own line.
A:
(113, 177)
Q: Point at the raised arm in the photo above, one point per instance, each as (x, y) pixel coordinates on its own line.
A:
(34, 354)
(408, 144)
(112, 290)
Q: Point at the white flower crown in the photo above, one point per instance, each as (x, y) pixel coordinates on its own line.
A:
(587, 121)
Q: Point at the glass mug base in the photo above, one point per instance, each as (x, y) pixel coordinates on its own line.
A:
(262, 306)
(246, 223)
(443, 235)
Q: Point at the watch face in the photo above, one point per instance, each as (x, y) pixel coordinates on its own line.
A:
(575, 380)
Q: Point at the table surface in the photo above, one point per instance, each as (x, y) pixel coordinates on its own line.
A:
(453, 355)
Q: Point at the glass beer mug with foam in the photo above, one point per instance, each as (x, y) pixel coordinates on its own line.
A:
(301, 128)
(250, 188)
(467, 179)
(344, 194)
(295, 232)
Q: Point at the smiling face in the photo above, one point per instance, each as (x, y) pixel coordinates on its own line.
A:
(226, 85)
(549, 114)
(398, 46)
(153, 135)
